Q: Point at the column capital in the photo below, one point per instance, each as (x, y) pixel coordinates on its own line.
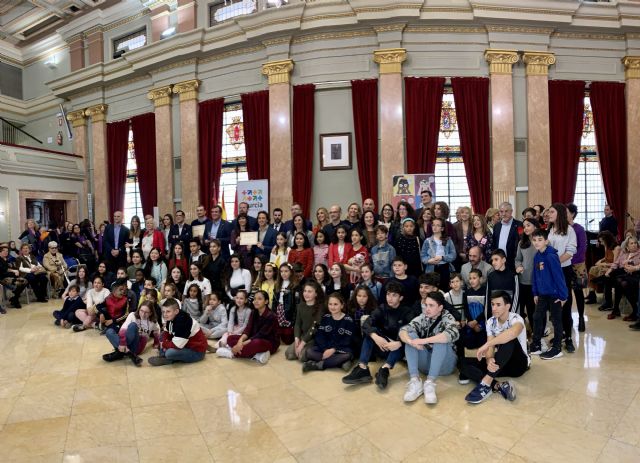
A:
(160, 96)
(390, 59)
(278, 72)
(97, 113)
(77, 118)
(500, 61)
(631, 67)
(188, 90)
(538, 62)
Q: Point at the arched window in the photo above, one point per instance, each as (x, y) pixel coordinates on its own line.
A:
(132, 202)
(451, 179)
(589, 195)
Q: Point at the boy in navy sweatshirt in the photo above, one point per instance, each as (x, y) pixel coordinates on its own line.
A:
(549, 293)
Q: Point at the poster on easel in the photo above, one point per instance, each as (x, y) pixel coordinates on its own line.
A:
(255, 193)
(408, 187)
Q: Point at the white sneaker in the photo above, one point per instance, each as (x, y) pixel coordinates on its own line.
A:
(224, 352)
(430, 392)
(262, 357)
(414, 390)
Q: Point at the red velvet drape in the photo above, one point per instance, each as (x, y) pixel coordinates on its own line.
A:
(610, 121)
(144, 140)
(471, 97)
(364, 97)
(423, 105)
(117, 141)
(255, 111)
(210, 150)
(566, 110)
(303, 131)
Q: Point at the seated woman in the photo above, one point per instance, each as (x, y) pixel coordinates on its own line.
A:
(54, 262)
(35, 274)
(597, 271)
(333, 340)
(260, 338)
(134, 335)
(623, 276)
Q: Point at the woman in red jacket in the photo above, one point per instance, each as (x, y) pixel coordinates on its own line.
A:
(152, 237)
(302, 252)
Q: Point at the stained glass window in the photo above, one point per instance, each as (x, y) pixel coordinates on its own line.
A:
(451, 179)
(234, 160)
(132, 202)
(589, 195)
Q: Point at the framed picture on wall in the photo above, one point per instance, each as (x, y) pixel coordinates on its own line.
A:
(335, 151)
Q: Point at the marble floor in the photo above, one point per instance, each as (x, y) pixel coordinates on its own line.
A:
(60, 402)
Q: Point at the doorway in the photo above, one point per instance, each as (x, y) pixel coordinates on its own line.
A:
(45, 211)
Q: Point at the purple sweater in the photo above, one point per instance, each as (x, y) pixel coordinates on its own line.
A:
(581, 237)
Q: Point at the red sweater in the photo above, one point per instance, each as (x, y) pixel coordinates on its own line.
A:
(305, 257)
(334, 257)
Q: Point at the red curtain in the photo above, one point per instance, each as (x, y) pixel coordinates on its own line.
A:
(364, 97)
(255, 110)
(471, 97)
(610, 121)
(303, 136)
(144, 139)
(423, 105)
(210, 150)
(566, 110)
(117, 141)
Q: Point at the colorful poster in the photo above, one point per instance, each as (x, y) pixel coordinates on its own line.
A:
(407, 187)
(256, 194)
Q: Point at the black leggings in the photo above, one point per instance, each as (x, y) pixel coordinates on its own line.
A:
(525, 299)
(335, 361)
(510, 357)
(567, 320)
(626, 285)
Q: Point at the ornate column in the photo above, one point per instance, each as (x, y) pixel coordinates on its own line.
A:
(280, 186)
(188, 91)
(97, 114)
(503, 165)
(76, 52)
(632, 78)
(161, 98)
(391, 123)
(95, 44)
(80, 147)
(538, 151)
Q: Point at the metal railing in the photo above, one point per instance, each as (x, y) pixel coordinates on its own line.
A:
(14, 135)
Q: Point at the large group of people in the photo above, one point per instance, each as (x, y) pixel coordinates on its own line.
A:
(398, 284)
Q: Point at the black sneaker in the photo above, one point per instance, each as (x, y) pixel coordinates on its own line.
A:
(551, 354)
(77, 328)
(358, 376)
(382, 378)
(137, 361)
(15, 302)
(113, 356)
(568, 345)
(635, 326)
(462, 379)
(591, 299)
(535, 349)
(310, 365)
(605, 307)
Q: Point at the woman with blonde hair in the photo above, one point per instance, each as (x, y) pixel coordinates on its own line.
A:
(322, 215)
(492, 217)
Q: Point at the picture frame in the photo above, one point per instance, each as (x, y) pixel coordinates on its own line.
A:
(335, 151)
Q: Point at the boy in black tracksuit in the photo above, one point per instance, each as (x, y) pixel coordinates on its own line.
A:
(502, 278)
(549, 293)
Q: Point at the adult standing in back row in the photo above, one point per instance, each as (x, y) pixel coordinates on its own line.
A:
(506, 235)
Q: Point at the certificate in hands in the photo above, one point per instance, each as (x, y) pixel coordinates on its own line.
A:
(248, 238)
(197, 231)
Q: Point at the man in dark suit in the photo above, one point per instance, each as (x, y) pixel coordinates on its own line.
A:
(113, 243)
(506, 233)
(243, 208)
(219, 229)
(179, 232)
(296, 209)
(278, 224)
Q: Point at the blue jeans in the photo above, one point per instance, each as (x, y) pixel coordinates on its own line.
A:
(131, 336)
(440, 360)
(369, 347)
(182, 355)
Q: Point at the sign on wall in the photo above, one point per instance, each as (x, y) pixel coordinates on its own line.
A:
(255, 193)
(407, 187)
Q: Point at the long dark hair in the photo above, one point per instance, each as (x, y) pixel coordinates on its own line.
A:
(344, 278)
(443, 233)
(410, 211)
(561, 225)
(317, 307)
(525, 240)
(352, 306)
(335, 234)
(198, 296)
(608, 239)
(149, 264)
(233, 321)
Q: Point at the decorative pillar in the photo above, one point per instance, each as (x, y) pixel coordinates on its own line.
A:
(161, 98)
(76, 52)
(391, 123)
(503, 164)
(190, 181)
(187, 15)
(80, 148)
(632, 78)
(159, 21)
(538, 150)
(280, 184)
(97, 114)
(95, 44)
